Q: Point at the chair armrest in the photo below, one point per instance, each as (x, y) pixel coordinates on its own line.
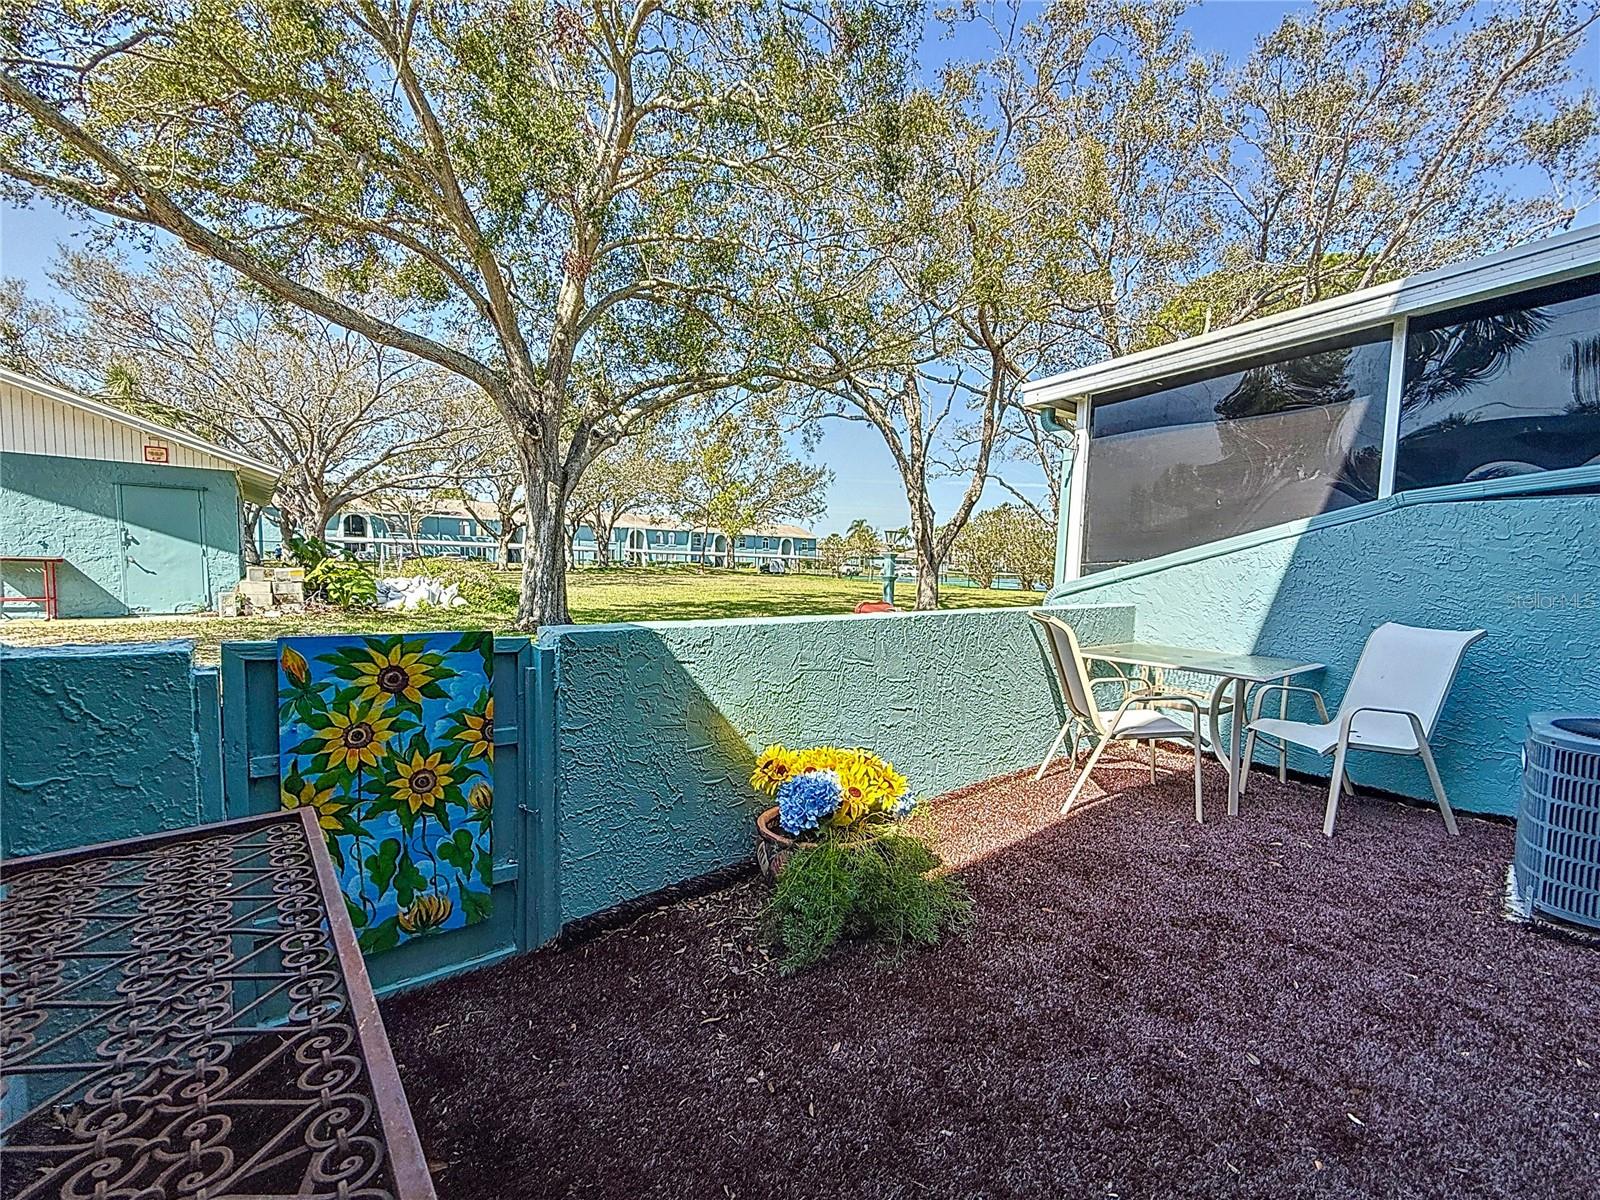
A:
(1349, 718)
(1168, 698)
(1263, 689)
(1121, 681)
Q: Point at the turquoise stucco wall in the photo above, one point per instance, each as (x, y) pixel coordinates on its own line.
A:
(623, 751)
(99, 742)
(67, 507)
(656, 726)
(1527, 570)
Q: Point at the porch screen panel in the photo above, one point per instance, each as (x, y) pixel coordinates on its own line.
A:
(1259, 442)
(1505, 388)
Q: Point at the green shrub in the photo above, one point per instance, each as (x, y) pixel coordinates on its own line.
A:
(309, 553)
(342, 582)
(876, 886)
(479, 583)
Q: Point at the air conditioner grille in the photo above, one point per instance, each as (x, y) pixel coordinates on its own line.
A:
(1558, 825)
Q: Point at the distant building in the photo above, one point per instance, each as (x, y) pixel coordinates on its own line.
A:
(646, 538)
(457, 528)
(106, 514)
(471, 529)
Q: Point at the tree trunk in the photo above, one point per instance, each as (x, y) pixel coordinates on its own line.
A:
(318, 514)
(544, 565)
(923, 538)
(252, 534)
(602, 531)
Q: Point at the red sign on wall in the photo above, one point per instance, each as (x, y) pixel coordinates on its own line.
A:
(158, 454)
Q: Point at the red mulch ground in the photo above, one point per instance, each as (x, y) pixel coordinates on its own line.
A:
(1143, 1007)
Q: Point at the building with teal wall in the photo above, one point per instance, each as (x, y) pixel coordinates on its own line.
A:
(471, 529)
(1425, 452)
(440, 526)
(648, 538)
(1482, 371)
(131, 516)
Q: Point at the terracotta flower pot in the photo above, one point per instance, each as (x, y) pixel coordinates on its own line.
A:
(774, 847)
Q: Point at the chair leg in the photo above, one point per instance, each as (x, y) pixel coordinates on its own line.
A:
(1152, 760)
(1051, 753)
(1335, 785)
(1438, 786)
(1249, 756)
(1072, 797)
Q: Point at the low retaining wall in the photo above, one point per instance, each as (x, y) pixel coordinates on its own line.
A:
(657, 725)
(102, 742)
(623, 752)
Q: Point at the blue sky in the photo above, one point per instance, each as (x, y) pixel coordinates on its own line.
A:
(865, 483)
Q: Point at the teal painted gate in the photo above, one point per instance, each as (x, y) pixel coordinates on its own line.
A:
(163, 548)
(525, 912)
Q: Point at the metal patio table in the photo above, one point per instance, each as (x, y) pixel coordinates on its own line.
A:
(1234, 673)
(189, 1015)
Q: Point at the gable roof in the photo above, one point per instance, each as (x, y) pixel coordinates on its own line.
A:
(260, 476)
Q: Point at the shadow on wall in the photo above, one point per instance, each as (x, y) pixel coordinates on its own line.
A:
(97, 742)
(1524, 569)
(657, 726)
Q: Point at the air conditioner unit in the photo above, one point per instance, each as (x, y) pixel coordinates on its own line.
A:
(1556, 873)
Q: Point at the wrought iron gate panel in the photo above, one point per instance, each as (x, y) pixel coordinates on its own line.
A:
(188, 1015)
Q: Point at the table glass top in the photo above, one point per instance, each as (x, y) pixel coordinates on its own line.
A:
(1253, 668)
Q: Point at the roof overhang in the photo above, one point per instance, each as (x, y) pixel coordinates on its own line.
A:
(1567, 256)
(257, 480)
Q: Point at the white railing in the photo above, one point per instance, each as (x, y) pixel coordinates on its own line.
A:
(635, 555)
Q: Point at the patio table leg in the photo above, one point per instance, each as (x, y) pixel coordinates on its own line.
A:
(1235, 767)
(1283, 746)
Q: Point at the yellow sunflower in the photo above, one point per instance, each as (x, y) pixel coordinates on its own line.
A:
(776, 766)
(481, 798)
(858, 791)
(479, 733)
(396, 674)
(419, 783)
(309, 797)
(355, 737)
(426, 912)
(822, 758)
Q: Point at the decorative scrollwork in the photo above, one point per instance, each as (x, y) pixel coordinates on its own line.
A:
(177, 1020)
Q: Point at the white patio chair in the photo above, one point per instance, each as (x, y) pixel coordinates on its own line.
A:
(1391, 707)
(1129, 722)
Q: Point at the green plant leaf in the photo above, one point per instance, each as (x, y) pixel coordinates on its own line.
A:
(385, 935)
(477, 905)
(381, 866)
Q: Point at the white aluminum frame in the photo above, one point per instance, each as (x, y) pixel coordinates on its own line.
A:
(1391, 407)
(1084, 721)
(1567, 256)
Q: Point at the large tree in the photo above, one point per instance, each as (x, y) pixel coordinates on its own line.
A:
(580, 194)
(1359, 141)
(737, 474)
(979, 213)
(182, 341)
(1376, 138)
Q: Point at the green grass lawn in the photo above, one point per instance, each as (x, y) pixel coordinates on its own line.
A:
(594, 596)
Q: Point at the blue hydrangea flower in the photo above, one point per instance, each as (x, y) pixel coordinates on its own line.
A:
(807, 800)
(903, 806)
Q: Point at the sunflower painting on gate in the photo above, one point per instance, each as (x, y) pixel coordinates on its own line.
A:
(391, 740)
